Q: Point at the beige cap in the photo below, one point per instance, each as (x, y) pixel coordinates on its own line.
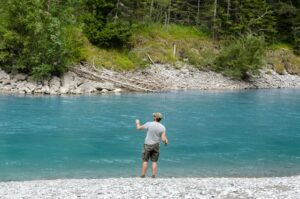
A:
(158, 115)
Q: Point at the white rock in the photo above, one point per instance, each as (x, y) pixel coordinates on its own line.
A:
(4, 75)
(20, 77)
(86, 87)
(118, 90)
(64, 90)
(54, 82)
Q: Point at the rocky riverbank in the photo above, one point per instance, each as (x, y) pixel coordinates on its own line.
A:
(179, 78)
(264, 188)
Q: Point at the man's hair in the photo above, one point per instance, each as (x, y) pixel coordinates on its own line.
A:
(158, 119)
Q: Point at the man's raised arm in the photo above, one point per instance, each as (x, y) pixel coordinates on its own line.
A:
(138, 125)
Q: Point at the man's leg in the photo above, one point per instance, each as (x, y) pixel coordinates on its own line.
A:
(154, 168)
(144, 168)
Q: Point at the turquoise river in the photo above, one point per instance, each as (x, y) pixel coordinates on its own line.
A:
(250, 133)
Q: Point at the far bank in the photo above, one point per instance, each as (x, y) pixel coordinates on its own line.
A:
(85, 79)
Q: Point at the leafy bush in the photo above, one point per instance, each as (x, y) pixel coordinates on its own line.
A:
(35, 42)
(115, 34)
(241, 57)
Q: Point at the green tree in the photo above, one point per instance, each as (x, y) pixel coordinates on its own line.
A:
(102, 24)
(33, 41)
(242, 57)
(242, 17)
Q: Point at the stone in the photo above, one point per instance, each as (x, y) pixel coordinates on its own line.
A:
(45, 90)
(54, 82)
(7, 87)
(118, 90)
(101, 86)
(54, 85)
(5, 82)
(64, 90)
(30, 87)
(45, 82)
(20, 77)
(69, 81)
(4, 75)
(86, 87)
(104, 90)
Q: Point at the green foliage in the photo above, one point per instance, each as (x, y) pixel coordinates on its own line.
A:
(241, 57)
(285, 14)
(43, 37)
(115, 34)
(296, 35)
(99, 30)
(158, 41)
(282, 59)
(247, 16)
(33, 41)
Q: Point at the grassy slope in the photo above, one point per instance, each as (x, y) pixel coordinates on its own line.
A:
(282, 58)
(194, 47)
(155, 41)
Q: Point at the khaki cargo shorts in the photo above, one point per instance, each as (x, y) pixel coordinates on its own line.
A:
(150, 151)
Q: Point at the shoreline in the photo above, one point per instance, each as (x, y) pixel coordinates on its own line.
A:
(210, 187)
(166, 78)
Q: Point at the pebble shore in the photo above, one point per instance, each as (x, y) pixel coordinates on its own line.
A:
(181, 77)
(227, 188)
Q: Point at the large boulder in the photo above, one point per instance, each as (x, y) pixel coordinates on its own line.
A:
(7, 88)
(65, 90)
(54, 85)
(102, 86)
(45, 90)
(20, 77)
(5, 82)
(30, 87)
(86, 87)
(68, 80)
(3, 75)
(54, 82)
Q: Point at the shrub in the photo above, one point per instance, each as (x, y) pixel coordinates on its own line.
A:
(35, 42)
(115, 34)
(241, 57)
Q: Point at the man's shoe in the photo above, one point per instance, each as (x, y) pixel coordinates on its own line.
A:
(142, 176)
(153, 176)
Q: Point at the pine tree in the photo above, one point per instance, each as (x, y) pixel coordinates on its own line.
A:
(254, 16)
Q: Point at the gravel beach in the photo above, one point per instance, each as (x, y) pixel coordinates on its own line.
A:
(275, 187)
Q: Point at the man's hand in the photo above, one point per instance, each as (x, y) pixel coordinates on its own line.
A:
(165, 142)
(164, 138)
(138, 126)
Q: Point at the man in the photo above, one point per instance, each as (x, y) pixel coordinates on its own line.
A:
(155, 132)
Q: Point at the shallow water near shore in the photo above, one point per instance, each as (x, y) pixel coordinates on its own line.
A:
(251, 133)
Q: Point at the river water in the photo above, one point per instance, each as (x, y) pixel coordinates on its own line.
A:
(249, 133)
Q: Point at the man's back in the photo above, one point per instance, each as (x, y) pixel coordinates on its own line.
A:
(154, 132)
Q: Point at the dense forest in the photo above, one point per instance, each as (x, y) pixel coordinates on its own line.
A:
(45, 37)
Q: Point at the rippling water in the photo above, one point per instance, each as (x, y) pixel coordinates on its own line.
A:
(211, 133)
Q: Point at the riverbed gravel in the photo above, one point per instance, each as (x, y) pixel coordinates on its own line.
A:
(227, 188)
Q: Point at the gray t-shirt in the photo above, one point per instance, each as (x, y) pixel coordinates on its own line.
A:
(154, 132)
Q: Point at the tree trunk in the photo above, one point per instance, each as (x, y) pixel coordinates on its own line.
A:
(117, 10)
(151, 8)
(169, 12)
(228, 8)
(214, 19)
(198, 12)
